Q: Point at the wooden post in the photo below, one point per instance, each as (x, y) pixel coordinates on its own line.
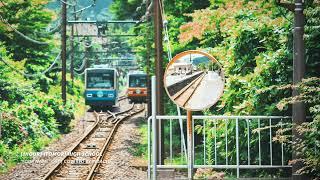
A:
(64, 50)
(158, 26)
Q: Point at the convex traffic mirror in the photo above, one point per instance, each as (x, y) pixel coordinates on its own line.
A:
(194, 80)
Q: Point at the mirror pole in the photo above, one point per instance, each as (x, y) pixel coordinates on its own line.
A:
(190, 144)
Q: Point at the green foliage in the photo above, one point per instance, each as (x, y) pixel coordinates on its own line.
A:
(312, 37)
(30, 118)
(14, 132)
(253, 42)
(30, 18)
(139, 149)
(126, 9)
(307, 144)
(256, 52)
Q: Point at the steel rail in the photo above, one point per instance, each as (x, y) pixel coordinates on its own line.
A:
(121, 98)
(185, 94)
(127, 113)
(52, 170)
(109, 140)
(91, 131)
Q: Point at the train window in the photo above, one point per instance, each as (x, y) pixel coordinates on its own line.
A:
(137, 81)
(100, 80)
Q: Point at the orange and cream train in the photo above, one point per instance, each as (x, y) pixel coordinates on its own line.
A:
(137, 87)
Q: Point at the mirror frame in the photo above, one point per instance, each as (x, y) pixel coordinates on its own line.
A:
(182, 54)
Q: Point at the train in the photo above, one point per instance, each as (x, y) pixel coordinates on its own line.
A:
(137, 87)
(102, 86)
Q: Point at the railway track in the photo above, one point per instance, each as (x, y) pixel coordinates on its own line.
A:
(184, 95)
(177, 86)
(82, 161)
(121, 98)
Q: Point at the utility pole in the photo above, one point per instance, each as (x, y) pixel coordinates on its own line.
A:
(72, 48)
(72, 55)
(298, 108)
(148, 48)
(64, 50)
(158, 26)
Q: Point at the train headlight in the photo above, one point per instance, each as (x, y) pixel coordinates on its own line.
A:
(130, 92)
(99, 94)
(110, 95)
(138, 91)
(89, 95)
(144, 92)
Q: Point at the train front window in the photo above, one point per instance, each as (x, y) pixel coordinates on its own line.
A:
(100, 80)
(137, 81)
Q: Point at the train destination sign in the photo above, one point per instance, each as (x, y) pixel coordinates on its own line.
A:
(194, 80)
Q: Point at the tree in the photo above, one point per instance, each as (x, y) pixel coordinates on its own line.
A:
(31, 19)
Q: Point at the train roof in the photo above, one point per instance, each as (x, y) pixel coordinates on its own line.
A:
(101, 66)
(136, 73)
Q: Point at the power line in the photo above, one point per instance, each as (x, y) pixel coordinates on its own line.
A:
(31, 75)
(21, 34)
(69, 4)
(79, 73)
(84, 62)
(167, 40)
(81, 10)
(49, 31)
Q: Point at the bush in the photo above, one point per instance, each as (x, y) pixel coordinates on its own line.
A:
(12, 131)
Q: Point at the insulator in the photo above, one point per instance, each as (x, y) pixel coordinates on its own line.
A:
(165, 22)
(166, 38)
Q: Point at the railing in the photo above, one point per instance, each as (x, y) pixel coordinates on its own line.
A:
(234, 142)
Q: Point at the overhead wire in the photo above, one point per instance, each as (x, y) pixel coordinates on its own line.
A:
(31, 40)
(169, 53)
(81, 10)
(21, 34)
(80, 73)
(42, 43)
(84, 62)
(48, 31)
(31, 75)
(80, 70)
(18, 32)
(69, 4)
(166, 32)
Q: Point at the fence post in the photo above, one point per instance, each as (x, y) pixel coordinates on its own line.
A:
(154, 127)
(149, 148)
(237, 144)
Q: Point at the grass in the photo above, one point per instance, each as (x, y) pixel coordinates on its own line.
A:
(15, 155)
(140, 149)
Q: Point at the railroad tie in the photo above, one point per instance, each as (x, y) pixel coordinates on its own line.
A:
(104, 129)
(99, 136)
(91, 146)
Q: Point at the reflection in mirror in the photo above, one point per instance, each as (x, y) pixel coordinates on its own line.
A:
(194, 80)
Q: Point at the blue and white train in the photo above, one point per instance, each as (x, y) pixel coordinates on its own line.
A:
(101, 86)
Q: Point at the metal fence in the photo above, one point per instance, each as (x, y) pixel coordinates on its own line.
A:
(229, 136)
(222, 142)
